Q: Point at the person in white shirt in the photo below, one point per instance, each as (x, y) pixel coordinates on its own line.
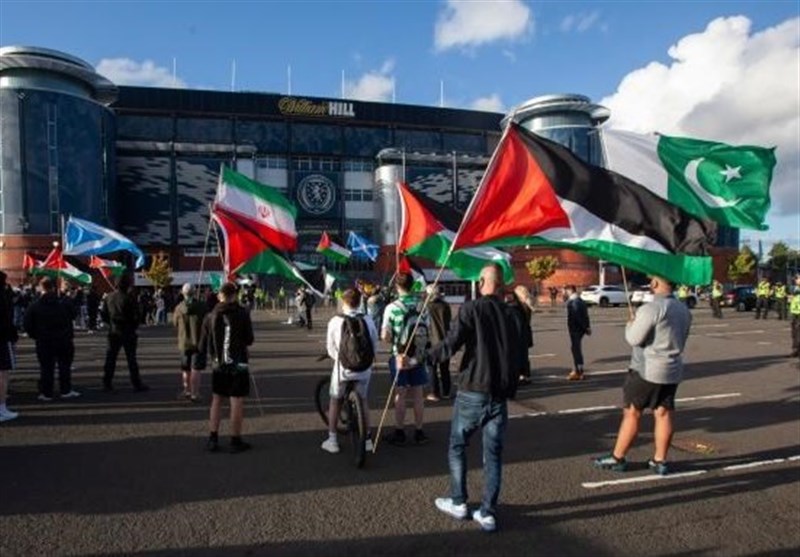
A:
(351, 301)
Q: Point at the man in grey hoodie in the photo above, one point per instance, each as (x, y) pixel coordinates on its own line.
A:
(657, 335)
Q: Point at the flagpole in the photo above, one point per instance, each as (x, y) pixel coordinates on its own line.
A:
(205, 249)
(627, 295)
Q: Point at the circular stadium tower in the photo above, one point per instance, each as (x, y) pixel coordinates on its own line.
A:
(57, 146)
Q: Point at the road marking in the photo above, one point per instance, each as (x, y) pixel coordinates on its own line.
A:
(587, 409)
(541, 356)
(641, 479)
(536, 414)
(607, 372)
(756, 332)
(707, 397)
(711, 326)
(761, 463)
(763, 343)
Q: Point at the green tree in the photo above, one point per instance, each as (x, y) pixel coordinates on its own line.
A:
(160, 272)
(542, 268)
(780, 256)
(743, 265)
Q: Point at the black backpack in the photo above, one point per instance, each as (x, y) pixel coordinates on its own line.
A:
(356, 352)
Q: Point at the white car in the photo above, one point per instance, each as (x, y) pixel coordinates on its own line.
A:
(642, 296)
(604, 296)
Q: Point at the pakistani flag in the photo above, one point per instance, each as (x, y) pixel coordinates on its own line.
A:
(428, 230)
(332, 250)
(724, 183)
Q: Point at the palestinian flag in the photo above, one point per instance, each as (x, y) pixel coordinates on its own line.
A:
(407, 266)
(263, 208)
(108, 267)
(59, 268)
(31, 262)
(537, 192)
(427, 231)
(332, 250)
(725, 183)
(246, 252)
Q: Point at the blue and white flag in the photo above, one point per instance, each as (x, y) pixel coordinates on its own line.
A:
(361, 248)
(82, 237)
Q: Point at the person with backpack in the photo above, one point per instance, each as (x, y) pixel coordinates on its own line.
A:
(352, 342)
(227, 332)
(407, 331)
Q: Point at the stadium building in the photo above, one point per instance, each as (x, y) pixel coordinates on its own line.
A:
(145, 161)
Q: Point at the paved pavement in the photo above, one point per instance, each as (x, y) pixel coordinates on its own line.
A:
(126, 474)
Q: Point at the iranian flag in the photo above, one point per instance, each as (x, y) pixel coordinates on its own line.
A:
(332, 250)
(725, 183)
(245, 252)
(427, 231)
(57, 267)
(264, 208)
(536, 192)
(108, 267)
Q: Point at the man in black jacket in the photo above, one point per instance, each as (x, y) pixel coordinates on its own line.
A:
(121, 312)
(227, 332)
(487, 378)
(49, 322)
(439, 318)
(578, 325)
(8, 341)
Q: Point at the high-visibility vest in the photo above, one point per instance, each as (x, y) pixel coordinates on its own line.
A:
(780, 292)
(716, 291)
(683, 292)
(794, 306)
(763, 289)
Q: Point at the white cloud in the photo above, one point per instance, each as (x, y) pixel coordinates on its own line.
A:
(124, 71)
(580, 22)
(728, 84)
(492, 103)
(471, 24)
(375, 85)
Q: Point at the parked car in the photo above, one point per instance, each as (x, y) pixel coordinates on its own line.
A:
(743, 298)
(641, 295)
(604, 296)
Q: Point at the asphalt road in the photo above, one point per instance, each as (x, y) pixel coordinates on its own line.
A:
(126, 474)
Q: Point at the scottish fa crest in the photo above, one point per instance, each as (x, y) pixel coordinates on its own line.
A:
(316, 194)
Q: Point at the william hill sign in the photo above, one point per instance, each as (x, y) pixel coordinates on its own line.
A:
(303, 107)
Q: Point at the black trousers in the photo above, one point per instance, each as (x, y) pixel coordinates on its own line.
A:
(796, 335)
(440, 379)
(128, 344)
(575, 340)
(50, 354)
(762, 303)
(308, 317)
(780, 308)
(716, 307)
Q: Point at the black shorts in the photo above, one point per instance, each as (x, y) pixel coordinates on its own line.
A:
(192, 359)
(643, 394)
(8, 356)
(234, 383)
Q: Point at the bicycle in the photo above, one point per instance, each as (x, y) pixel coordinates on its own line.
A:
(352, 416)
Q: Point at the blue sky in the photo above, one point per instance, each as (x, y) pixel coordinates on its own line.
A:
(652, 63)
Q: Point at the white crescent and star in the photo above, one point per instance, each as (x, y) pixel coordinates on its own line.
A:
(690, 173)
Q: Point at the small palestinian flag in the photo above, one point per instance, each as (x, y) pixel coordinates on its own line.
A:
(59, 268)
(108, 267)
(332, 250)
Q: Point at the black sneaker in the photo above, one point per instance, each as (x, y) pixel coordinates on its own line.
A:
(398, 438)
(240, 446)
(420, 438)
(212, 445)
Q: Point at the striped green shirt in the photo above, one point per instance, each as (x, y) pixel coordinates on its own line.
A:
(393, 318)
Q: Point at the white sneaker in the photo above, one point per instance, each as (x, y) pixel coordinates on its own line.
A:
(44, 398)
(7, 415)
(330, 445)
(369, 446)
(487, 521)
(72, 394)
(446, 505)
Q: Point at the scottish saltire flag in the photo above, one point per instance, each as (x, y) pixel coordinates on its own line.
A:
(361, 248)
(82, 237)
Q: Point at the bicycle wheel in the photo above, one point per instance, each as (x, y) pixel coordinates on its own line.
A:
(322, 399)
(357, 420)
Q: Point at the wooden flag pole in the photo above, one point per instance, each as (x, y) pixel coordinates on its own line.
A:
(627, 294)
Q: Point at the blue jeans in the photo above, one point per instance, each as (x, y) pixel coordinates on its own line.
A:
(471, 411)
